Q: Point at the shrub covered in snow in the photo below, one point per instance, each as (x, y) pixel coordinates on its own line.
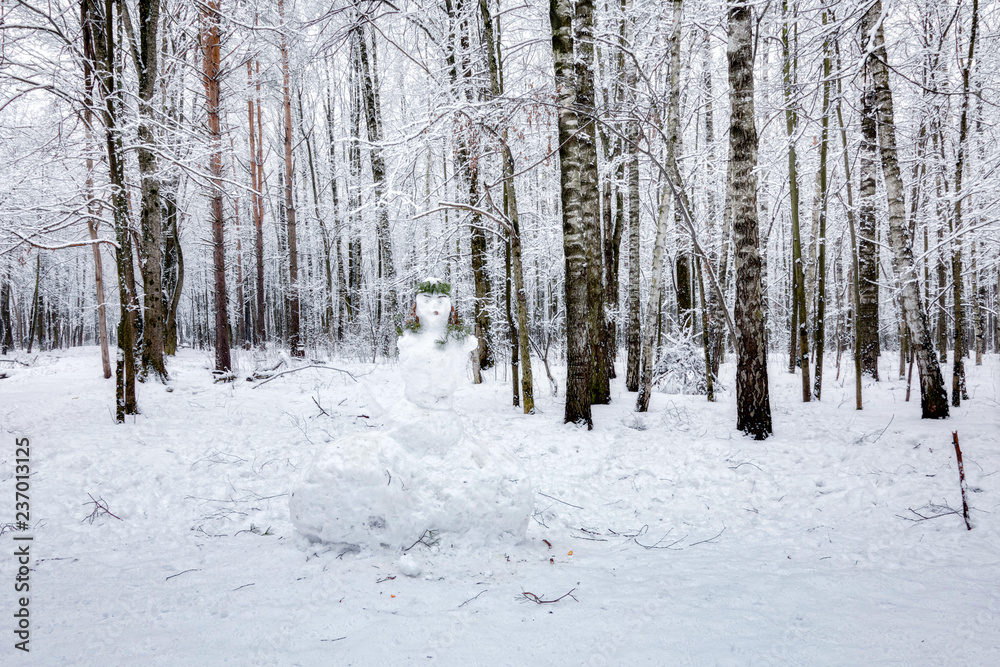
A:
(681, 368)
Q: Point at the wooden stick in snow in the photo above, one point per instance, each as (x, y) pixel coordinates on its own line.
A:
(961, 480)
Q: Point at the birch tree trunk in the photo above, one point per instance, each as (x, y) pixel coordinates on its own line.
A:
(633, 340)
(933, 397)
(868, 321)
(650, 342)
(578, 187)
(753, 407)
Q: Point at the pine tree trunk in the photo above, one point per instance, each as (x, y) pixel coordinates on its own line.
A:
(933, 397)
(257, 184)
(211, 69)
(295, 341)
(753, 407)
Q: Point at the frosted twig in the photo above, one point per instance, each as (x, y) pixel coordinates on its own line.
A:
(709, 540)
(559, 501)
(196, 569)
(472, 598)
(656, 544)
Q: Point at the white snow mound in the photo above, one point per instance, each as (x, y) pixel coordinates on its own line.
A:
(371, 490)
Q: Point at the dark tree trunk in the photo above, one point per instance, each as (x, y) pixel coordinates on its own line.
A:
(100, 28)
(151, 256)
(868, 323)
(373, 118)
(753, 407)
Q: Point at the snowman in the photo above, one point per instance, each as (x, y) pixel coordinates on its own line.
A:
(421, 474)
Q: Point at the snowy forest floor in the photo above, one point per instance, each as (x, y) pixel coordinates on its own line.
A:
(690, 543)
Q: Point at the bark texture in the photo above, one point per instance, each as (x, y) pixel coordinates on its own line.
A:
(753, 406)
(933, 397)
(211, 63)
(578, 187)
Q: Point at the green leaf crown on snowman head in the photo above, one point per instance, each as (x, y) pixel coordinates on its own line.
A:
(433, 286)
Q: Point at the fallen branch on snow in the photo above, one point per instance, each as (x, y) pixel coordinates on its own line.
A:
(531, 597)
(302, 368)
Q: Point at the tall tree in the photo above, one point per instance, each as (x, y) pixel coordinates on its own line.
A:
(868, 321)
(370, 100)
(294, 306)
(100, 22)
(522, 349)
(933, 397)
(573, 52)
(257, 184)
(633, 336)
(821, 205)
(649, 340)
(151, 255)
(753, 406)
(92, 214)
(211, 74)
(789, 48)
(958, 390)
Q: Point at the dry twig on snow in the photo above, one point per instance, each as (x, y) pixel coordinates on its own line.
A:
(100, 509)
(531, 597)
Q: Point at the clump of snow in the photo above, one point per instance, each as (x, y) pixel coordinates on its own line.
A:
(409, 566)
(421, 474)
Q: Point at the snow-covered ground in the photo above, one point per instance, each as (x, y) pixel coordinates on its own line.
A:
(680, 541)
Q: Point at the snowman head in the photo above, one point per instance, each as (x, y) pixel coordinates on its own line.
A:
(433, 309)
